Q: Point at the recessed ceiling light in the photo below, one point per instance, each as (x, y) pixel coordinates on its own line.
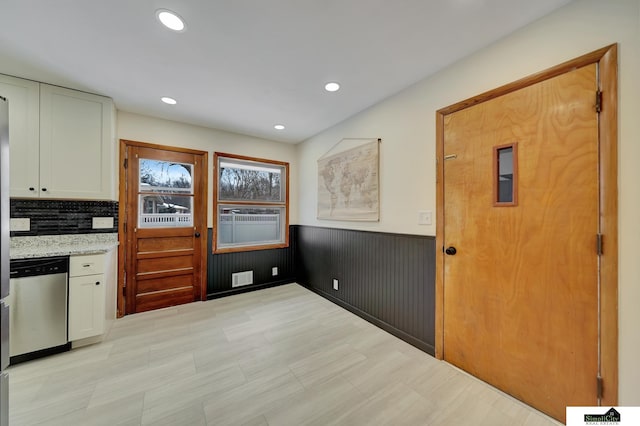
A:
(170, 19)
(168, 100)
(279, 127)
(332, 86)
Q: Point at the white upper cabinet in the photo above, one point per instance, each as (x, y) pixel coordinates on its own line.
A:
(75, 144)
(61, 141)
(24, 134)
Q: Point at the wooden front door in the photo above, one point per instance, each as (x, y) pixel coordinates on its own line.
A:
(164, 230)
(521, 218)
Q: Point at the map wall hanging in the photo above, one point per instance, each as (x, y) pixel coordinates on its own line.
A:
(348, 181)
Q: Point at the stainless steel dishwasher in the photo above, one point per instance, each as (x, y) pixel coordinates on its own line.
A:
(38, 307)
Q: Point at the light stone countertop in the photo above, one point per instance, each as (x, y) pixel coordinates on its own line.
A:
(61, 245)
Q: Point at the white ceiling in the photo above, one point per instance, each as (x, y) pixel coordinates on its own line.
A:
(245, 65)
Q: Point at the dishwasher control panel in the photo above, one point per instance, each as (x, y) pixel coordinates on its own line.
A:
(40, 266)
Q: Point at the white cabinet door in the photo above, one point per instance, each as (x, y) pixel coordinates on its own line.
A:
(24, 134)
(75, 144)
(86, 306)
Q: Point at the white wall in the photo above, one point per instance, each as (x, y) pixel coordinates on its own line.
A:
(406, 124)
(164, 132)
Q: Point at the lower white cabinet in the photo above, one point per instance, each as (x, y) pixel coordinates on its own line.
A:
(87, 292)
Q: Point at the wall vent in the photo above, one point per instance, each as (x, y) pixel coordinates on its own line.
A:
(241, 278)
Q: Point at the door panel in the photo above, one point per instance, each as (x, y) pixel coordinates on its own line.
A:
(155, 244)
(165, 217)
(166, 263)
(521, 292)
(164, 283)
(157, 300)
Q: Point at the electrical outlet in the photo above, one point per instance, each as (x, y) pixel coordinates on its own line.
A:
(102, 222)
(20, 224)
(335, 284)
(274, 271)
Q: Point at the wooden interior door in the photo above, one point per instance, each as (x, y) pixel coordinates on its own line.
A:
(521, 287)
(165, 227)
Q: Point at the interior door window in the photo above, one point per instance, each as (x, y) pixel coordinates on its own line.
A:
(505, 175)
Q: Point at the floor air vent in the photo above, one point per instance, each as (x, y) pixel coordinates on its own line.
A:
(241, 278)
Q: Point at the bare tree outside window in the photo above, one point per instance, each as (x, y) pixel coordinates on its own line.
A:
(244, 184)
(162, 175)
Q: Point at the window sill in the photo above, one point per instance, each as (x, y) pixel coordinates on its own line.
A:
(223, 250)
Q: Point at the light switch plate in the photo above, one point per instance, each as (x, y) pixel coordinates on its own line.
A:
(102, 222)
(20, 224)
(424, 217)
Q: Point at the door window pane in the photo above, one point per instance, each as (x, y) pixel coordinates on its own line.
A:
(165, 176)
(162, 210)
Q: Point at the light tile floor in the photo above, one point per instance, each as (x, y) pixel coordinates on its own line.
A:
(280, 356)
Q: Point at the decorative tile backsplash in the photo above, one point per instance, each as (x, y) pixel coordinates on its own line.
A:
(57, 217)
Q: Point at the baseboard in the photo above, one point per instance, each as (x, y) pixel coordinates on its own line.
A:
(87, 341)
(248, 288)
(423, 346)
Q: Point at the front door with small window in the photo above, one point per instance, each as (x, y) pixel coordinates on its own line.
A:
(164, 227)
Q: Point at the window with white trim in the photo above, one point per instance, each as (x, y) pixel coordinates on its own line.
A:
(251, 201)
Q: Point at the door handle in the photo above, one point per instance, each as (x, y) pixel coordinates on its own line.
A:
(451, 251)
(197, 235)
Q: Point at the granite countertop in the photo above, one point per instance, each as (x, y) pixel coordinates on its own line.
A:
(62, 245)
